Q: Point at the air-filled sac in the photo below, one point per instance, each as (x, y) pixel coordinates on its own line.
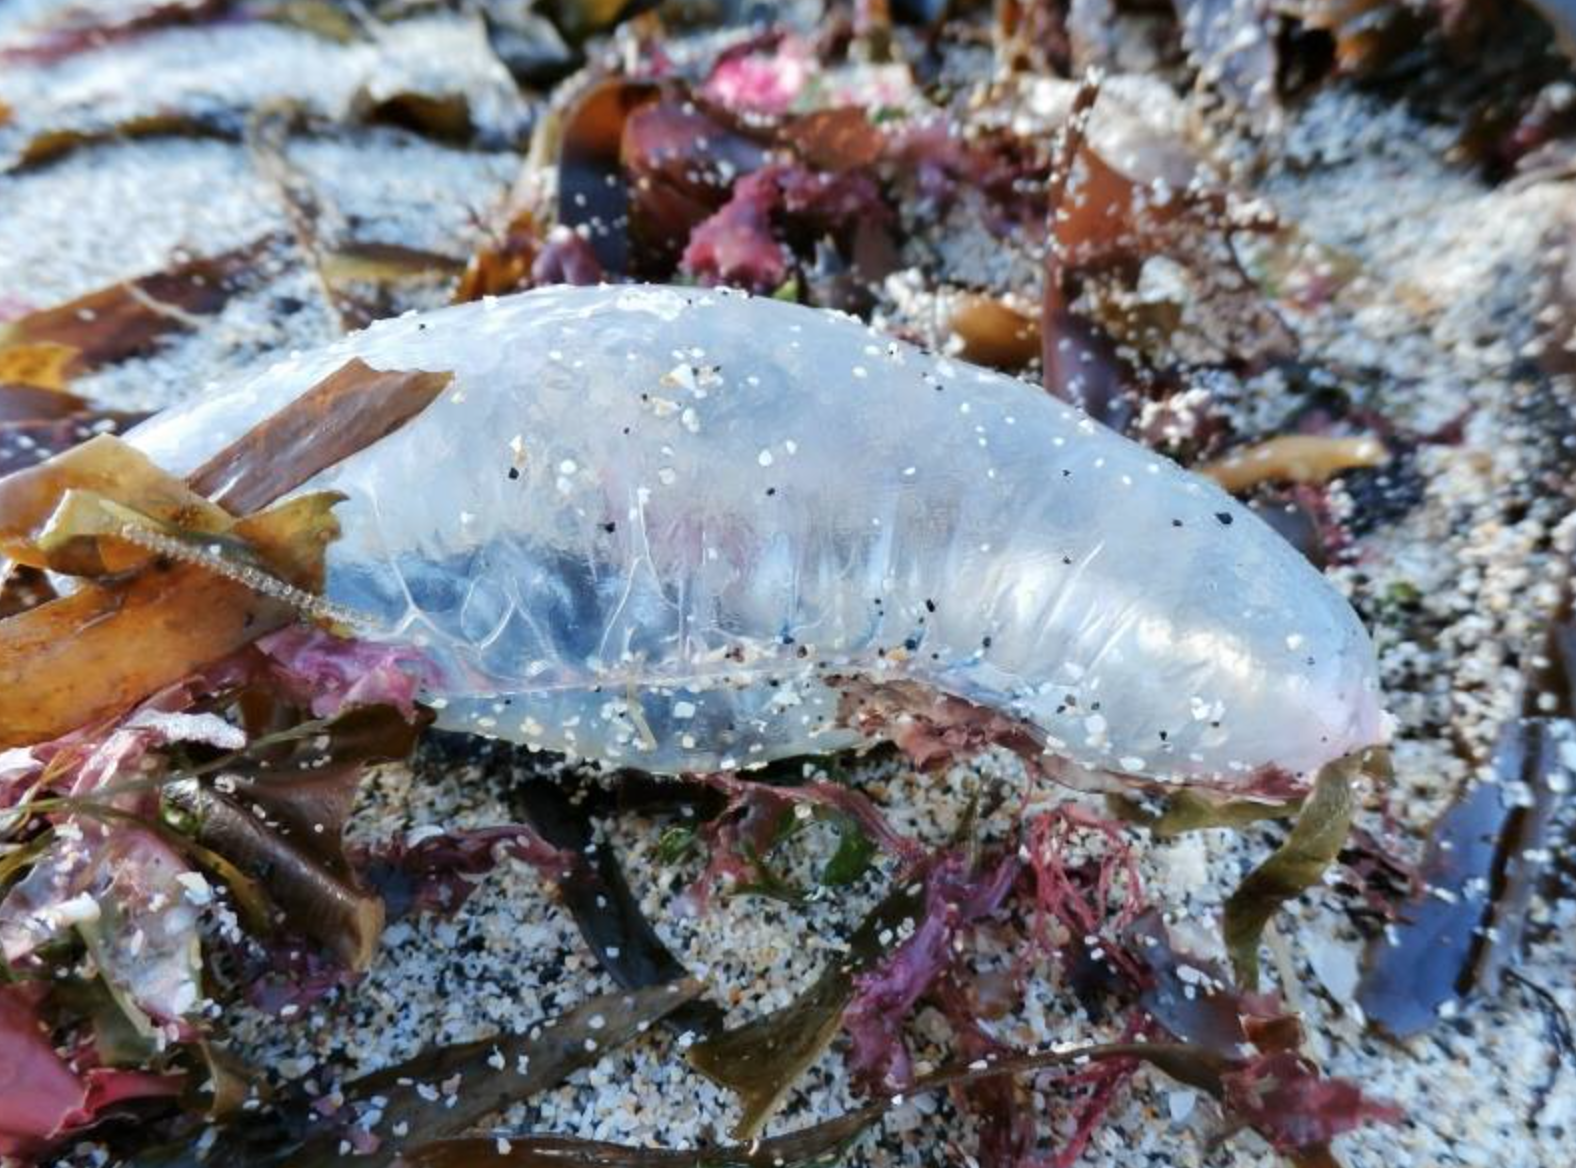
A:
(660, 527)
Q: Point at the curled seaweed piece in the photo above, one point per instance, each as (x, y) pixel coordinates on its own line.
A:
(1295, 458)
(1297, 865)
(433, 873)
(994, 333)
(1177, 813)
(592, 185)
(68, 514)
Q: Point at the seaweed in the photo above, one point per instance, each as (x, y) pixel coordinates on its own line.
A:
(27, 441)
(821, 1144)
(1294, 458)
(51, 145)
(473, 1086)
(758, 816)
(1191, 998)
(43, 1098)
(1298, 864)
(88, 655)
(593, 187)
(579, 19)
(433, 873)
(280, 819)
(1486, 856)
(1176, 813)
(657, 177)
(760, 1060)
(1078, 898)
(1200, 1006)
(960, 892)
(740, 244)
(347, 411)
(1277, 1092)
(67, 515)
(683, 159)
(594, 889)
(130, 318)
(506, 264)
(1103, 226)
(838, 139)
(995, 334)
(439, 1093)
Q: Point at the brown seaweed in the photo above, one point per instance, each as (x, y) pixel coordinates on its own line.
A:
(761, 1059)
(1298, 864)
(87, 655)
(1486, 856)
(994, 333)
(281, 820)
(1176, 813)
(606, 912)
(1294, 458)
(38, 527)
(439, 1093)
(1103, 226)
(83, 656)
(506, 264)
(1276, 1092)
(347, 411)
(593, 190)
(130, 318)
(532, 1062)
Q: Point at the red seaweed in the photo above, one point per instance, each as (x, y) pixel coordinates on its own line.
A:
(958, 895)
